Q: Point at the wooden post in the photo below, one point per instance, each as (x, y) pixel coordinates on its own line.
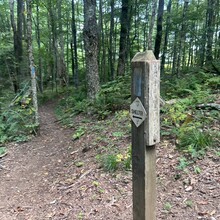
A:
(144, 112)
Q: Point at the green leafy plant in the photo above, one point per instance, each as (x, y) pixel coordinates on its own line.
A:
(167, 206)
(183, 163)
(3, 151)
(79, 133)
(118, 134)
(197, 170)
(189, 203)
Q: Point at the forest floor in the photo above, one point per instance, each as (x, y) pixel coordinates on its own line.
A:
(54, 177)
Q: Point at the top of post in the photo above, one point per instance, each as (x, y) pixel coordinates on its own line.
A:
(144, 56)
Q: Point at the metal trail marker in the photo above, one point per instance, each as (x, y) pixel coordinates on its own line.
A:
(145, 112)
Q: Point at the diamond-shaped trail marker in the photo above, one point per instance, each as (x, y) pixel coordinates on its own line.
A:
(137, 112)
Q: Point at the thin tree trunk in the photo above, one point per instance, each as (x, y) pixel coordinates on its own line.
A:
(102, 49)
(145, 26)
(16, 71)
(111, 40)
(151, 26)
(75, 68)
(182, 37)
(159, 29)
(210, 30)
(39, 49)
(61, 56)
(19, 36)
(163, 59)
(31, 60)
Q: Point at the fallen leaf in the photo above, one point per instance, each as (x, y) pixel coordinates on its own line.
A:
(202, 202)
(188, 188)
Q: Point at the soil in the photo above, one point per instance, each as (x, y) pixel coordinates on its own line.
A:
(54, 177)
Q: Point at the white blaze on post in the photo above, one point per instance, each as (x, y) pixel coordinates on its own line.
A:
(137, 112)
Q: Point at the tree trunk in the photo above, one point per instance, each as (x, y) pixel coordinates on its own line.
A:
(19, 51)
(210, 30)
(102, 49)
(123, 45)
(61, 57)
(159, 29)
(75, 68)
(91, 41)
(151, 26)
(39, 48)
(163, 59)
(31, 60)
(17, 44)
(182, 37)
(111, 40)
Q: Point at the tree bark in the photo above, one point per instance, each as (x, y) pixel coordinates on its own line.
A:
(182, 37)
(31, 60)
(91, 41)
(111, 40)
(210, 29)
(61, 57)
(159, 29)
(123, 46)
(17, 37)
(75, 68)
(151, 26)
(39, 48)
(163, 58)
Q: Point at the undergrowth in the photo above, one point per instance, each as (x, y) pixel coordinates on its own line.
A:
(16, 117)
(193, 128)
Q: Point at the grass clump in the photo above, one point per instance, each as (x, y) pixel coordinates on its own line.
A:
(195, 142)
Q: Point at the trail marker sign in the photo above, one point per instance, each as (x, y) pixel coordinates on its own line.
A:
(145, 115)
(137, 112)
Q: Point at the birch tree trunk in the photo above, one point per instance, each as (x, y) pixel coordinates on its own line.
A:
(31, 60)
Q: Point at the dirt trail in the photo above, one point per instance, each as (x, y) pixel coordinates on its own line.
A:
(30, 170)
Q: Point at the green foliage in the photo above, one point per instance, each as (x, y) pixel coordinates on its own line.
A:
(213, 82)
(110, 162)
(2, 151)
(17, 119)
(182, 119)
(183, 163)
(195, 142)
(189, 203)
(188, 85)
(197, 170)
(167, 206)
(113, 161)
(114, 95)
(79, 133)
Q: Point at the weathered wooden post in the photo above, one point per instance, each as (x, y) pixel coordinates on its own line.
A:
(145, 114)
